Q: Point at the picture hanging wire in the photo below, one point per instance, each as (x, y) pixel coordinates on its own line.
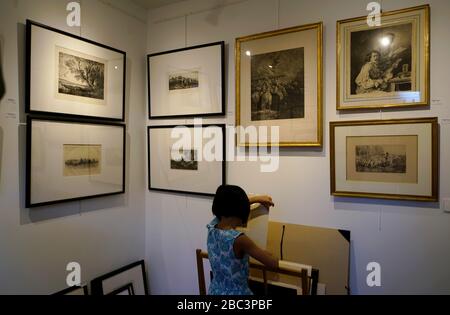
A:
(278, 14)
(185, 30)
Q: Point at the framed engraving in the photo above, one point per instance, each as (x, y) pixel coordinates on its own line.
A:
(187, 82)
(68, 75)
(279, 83)
(386, 65)
(388, 159)
(71, 160)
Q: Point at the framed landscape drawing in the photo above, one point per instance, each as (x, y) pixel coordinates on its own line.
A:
(279, 83)
(71, 160)
(187, 82)
(386, 65)
(185, 163)
(388, 159)
(71, 75)
(128, 280)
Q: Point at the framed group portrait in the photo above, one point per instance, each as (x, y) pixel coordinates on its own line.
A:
(181, 161)
(387, 159)
(187, 82)
(279, 84)
(72, 76)
(70, 160)
(386, 65)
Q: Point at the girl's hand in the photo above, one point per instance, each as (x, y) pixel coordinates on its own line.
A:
(265, 200)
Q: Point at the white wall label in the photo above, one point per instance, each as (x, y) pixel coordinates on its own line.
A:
(445, 121)
(437, 101)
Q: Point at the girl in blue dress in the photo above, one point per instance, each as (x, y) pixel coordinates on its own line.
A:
(228, 249)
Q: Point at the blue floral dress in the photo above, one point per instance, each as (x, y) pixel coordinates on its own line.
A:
(230, 274)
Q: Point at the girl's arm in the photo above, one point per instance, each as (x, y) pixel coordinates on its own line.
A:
(244, 245)
(265, 200)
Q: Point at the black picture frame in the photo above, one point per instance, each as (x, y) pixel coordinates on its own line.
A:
(69, 290)
(128, 287)
(223, 169)
(28, 110)
(97, 283)
(30, 120)
(222, 78)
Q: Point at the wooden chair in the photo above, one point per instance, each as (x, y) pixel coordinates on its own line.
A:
(305, 279)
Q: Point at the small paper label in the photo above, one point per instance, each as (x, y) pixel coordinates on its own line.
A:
(10, 115)
(437, 101)
(445, 121)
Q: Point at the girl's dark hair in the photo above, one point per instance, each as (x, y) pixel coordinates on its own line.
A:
(231, 201)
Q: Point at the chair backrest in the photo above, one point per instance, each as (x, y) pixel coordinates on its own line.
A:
(307, 281)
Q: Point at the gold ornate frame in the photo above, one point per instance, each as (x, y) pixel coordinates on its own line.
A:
(426, 71)
(319, 27)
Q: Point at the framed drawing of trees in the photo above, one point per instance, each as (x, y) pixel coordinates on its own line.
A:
(73, 76)
(187, 82)
(70, 160)
(388, 159)
(279, 83)
(386, 65)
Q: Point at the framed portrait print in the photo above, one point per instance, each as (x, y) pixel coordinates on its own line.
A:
(72, 76)
(187, 82)
(386, 65)
(279, 83)
(180, 161)
(70, 160)
(387, 159)
(128, 280)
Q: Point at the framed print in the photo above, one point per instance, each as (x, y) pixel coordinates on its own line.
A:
(279, 83)
(386, 65)
(125, 290)
(128, 280)
(70, 160)
(187, 165)
(71, 75)
(187, 82)
(75, 290)
(388, 159)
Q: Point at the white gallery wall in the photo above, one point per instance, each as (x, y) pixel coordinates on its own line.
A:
(101, 234)
(408, 239)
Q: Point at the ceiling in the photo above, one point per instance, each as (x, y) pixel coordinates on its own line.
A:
(153, 4)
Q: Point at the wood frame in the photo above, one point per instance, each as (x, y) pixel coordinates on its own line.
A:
(306, 280)
(339, 51)
(319, 71)
(434, 168)
(72, 289)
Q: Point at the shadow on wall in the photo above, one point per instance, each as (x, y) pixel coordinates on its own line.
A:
(1, 150)
(56, 211)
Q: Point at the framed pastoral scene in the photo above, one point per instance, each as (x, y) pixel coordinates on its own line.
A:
(386, 65)
(181, 160)
(388, 159)
(71, 75)
(71, 160)
(279, 84)
(187, 82)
